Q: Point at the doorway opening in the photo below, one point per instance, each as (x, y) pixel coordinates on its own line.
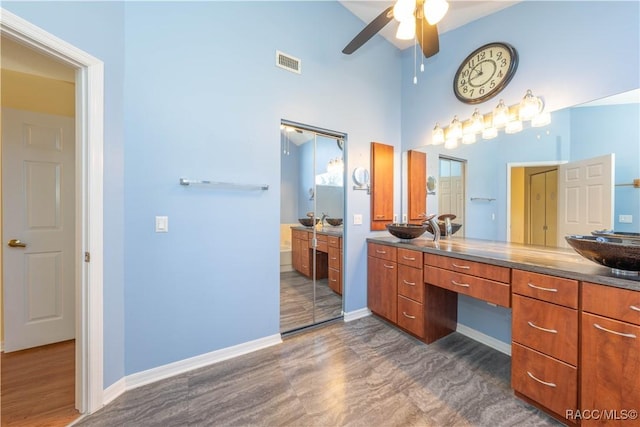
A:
(452, 189)
(88, 203)
(311, 226)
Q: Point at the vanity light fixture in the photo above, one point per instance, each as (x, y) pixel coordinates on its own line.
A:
(509, 118)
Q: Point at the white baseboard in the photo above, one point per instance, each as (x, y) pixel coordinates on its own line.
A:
(492, 342)
(113, 391)
(357, 314)
(169, 370)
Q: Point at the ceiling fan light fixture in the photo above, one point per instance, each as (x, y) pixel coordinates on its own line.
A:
(403, 10)
(406, 30)
(434, 10)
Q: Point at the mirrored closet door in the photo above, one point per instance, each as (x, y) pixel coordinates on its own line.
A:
(311, 225)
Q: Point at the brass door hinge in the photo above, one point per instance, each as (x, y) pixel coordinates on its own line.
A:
(87, 257)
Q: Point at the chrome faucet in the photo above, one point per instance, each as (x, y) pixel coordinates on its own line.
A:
(433, 220)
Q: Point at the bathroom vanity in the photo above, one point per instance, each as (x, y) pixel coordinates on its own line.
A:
(575, 325)
(328, 254)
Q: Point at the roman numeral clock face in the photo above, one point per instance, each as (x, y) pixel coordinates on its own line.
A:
(485, 72)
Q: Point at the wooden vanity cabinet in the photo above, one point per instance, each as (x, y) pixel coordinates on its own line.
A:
(300, 259)
(382, 281)
(335, 263)
(381, 185)
(417, 186)
(544, 352)
(610, 354)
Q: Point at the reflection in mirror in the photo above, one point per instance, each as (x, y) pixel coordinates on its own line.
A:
(608, 126)
(311, 213)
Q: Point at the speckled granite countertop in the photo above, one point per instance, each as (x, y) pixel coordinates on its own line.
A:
(553, 261)
(328, 230)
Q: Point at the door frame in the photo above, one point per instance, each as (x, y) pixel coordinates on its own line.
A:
(89, 122)
(525, 165)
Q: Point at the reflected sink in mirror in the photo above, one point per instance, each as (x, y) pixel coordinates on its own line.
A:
(621, 255)
(334, 221)
(308, 222)
(406, 231)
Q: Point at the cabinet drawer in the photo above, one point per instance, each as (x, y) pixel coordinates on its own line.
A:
(322, 245)
(335, 258)
(410, 258)
(299, 234)
(382, 251)
(620, 304)
(548, 381)
(487, 271)
(411, 316)
(548, 288)
(486, 290)
(410, 283)
(334, 241)
(335, 280)
(548, 328)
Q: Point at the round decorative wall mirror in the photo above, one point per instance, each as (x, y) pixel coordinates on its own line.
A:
(360, 176)
(431, 185)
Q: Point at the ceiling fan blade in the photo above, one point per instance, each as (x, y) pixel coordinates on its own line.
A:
(369, 31)
(427, 36)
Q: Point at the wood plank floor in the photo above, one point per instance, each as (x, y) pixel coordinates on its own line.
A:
(360, 373)
(38, 386)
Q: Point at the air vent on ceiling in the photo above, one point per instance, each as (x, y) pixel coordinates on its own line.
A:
(288, 62)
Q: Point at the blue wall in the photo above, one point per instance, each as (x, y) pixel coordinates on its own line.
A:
(194, 92)
(556, 43)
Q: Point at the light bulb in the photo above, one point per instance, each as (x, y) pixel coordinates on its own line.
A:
(529, 106)
(434, 10)
(469, 138)
(514, 126)
(403, 10)
(455, 129)
(489, 133)
(437, 135)
(500, 115)
(406, 30)
(477, 122)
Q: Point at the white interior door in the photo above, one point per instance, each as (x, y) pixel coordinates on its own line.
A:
(586, 195)
(38, 211)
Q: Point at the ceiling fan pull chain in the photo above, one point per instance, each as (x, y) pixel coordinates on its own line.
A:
(415, 61)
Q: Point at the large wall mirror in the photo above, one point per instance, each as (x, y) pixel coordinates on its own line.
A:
(311, 225)
(509, 178)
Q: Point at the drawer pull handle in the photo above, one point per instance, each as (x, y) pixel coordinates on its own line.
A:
(388, 266)
(334, 258)
(409, 283)
(614, 332)
(464, 267)
(408, 258)
(464, 285)
(334, 280)
(633, 307)
(533, 325)
(531, 285)
(379, 216)
(404, 313)
(380, 252)
(540, 381)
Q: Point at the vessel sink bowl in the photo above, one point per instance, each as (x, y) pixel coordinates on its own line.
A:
(619, 254)
(441, 225)
(406, 231)
(334, 221)
(308, 222)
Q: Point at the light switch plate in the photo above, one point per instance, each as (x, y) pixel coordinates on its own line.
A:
(625, 219)
(162, 224)
(357, 219)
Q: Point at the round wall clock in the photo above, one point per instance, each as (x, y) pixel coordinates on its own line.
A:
(485, 72)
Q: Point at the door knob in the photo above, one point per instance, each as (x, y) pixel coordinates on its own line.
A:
(15, 243)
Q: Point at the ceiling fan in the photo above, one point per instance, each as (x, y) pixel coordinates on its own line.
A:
(418, 18)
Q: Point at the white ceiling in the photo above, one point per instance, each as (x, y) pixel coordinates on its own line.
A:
(460, 12)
